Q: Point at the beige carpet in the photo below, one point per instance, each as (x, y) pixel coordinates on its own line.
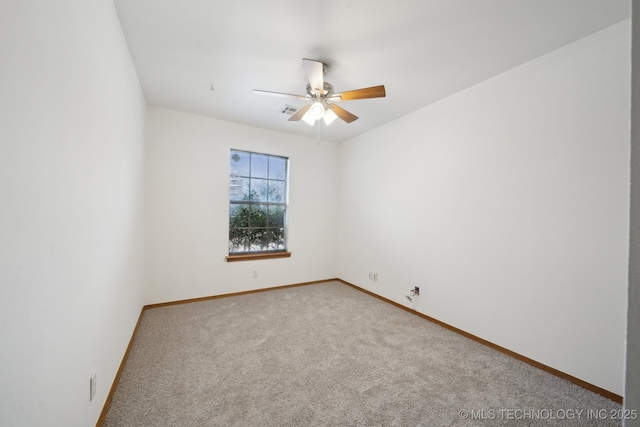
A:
(330, 355)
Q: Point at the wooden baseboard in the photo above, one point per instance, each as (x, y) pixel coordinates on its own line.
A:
(592, 387)
(114, 384)
(233, 294)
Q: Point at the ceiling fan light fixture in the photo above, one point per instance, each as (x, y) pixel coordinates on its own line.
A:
(308, 119)
(316, 111)
(329, 116)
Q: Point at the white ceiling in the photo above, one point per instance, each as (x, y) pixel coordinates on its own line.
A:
(421, 50)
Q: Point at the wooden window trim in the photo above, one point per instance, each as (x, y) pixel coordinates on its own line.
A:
(254, 257)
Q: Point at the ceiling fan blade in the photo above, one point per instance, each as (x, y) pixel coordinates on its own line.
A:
(369, 92)
(278, 94)
(315, 73)
(343, 114)
(297, 116)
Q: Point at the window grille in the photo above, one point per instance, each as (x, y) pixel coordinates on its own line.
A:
(257, 203)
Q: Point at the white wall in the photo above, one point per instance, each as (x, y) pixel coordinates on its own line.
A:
(187, 199)
(507, 204)
(632, 377)
(71, 177)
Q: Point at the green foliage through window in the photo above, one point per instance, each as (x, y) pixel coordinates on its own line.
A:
(257, 202)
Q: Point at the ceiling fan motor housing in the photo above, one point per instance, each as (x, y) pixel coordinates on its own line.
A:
(327, 89)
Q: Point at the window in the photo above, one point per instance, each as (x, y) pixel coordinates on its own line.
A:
(257, 204)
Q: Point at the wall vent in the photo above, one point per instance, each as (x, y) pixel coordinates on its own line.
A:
(289, 110)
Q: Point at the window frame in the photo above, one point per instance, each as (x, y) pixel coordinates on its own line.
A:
(261, 203)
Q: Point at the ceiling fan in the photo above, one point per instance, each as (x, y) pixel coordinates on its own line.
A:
(321, 95)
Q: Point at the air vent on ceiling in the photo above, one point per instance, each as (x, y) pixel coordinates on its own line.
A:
(289, 110)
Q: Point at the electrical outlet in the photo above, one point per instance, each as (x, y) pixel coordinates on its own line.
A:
(370, 276)
(375, 277)
(92, 386)
(255, 274)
